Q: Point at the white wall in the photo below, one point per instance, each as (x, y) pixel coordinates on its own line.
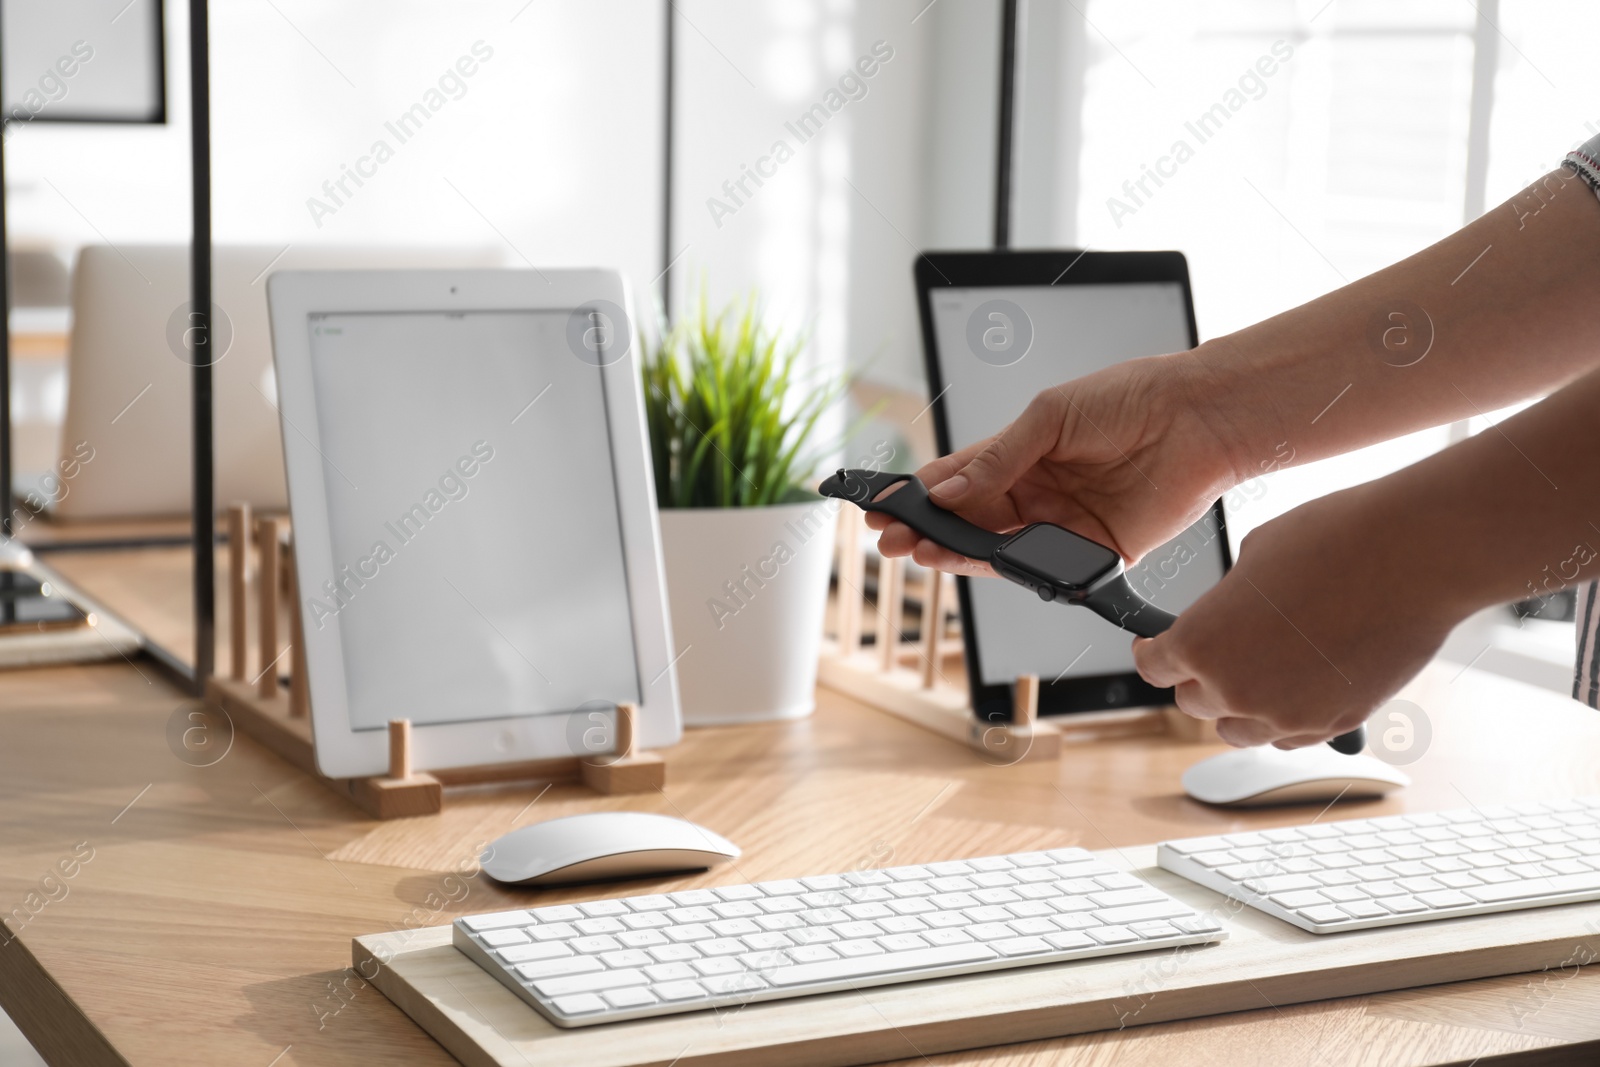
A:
(552, 148)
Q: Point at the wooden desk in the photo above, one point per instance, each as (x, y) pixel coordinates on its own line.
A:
(212, 924)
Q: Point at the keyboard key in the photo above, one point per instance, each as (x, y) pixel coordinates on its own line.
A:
(633, 997)
(600, 908)
(677, 991)
(950, 867)
(1070, 942)
(737, 892)
(1280, 883)
(728, 985)
(1536, 887)
(553, 932)
(642, 938)
(738, 909)
(651, 902)
(901, 942)
(853, 931)
(719, 965)
(721, 946)
(825, 881)
(599, 926)
(917, 959)
(1324, 913)
(947, 937)
(589, 983)
(1161, 909)
(852, 949)
(1193, 845)
(1112, 935)
(593, 946)
(693, 897)
(673, 953)
(1446, 898)
(557, 913)
(1196, 924)
(501, 938)
(688, 915)
(990, 931)
(766, 941)
(538, 951)
(1150, 931)
(911, 907)
(671, 972)
(1121, 897)
(553, 968)
(1402, 905)
(580, 1005)
(1021, 946)
(812, 954)
(480, 923)
(1363, 909)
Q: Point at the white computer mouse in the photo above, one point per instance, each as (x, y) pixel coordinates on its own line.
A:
(603, 845)
(1248, 777)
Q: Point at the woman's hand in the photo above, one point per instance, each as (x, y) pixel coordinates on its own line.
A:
(1322, 620)
(1125, 456)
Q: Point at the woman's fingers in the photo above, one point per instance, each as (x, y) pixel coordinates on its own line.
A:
(995, 467)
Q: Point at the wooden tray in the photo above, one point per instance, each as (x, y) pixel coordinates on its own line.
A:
(1263, 963)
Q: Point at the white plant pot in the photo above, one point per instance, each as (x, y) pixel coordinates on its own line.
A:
(747, 589)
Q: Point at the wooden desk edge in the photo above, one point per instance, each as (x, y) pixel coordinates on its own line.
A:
(51, 1021)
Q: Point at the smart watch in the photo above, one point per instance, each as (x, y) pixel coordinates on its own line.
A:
(1054, 562)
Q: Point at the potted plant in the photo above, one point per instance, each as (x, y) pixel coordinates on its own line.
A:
(748, 545)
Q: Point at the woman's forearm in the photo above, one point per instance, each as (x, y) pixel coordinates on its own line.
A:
(1510, 513)
(1504, 309)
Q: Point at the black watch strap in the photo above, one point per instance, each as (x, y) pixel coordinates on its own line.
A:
(1121, 605)
(910, 504)
(1116, 601)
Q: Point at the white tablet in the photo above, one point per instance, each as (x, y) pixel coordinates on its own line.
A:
(474, 513)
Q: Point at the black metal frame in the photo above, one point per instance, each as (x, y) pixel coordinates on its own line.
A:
(669, 97)
(1005, 128)
(943, 270)
(205, 515)
(205, 578)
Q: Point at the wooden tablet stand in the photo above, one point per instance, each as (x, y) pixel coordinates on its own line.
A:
(278, 714)
(908, 679)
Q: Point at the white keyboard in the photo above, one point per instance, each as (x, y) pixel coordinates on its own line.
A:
(1331, 877)
(632, 957)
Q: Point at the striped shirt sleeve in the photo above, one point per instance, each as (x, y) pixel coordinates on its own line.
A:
(1584, 161)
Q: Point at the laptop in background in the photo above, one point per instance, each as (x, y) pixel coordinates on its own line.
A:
(128, 399)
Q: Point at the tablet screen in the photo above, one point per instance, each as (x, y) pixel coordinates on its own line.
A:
(1062, 332)
(479, 568)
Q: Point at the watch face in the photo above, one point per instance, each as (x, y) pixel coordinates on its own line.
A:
(1059, 555)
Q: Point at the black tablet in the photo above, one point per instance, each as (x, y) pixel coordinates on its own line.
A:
(998, 327)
